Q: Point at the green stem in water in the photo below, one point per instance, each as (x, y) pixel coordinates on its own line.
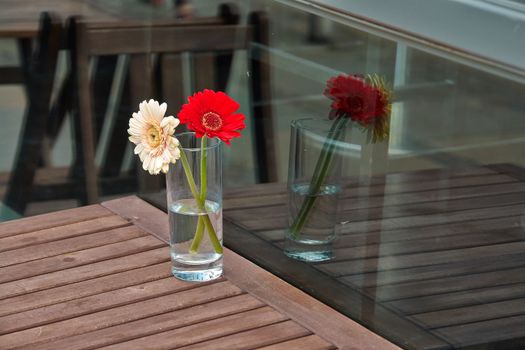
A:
(194, 248)
(189, 176)
(321, 171)
(199, 232)
(193, 188)
(204, 171)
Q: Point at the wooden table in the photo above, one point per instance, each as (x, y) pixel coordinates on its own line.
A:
(99, 276)
(430, 259)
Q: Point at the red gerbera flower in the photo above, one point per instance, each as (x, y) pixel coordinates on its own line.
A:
(212, 114)
(353, 97)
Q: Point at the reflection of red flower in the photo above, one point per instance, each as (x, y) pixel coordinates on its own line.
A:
(352, 96)
(211, 113)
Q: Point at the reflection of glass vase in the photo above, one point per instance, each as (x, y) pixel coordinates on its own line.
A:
(194, 256)
(314, 186)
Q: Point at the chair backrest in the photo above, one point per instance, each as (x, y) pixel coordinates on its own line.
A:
(211, 42)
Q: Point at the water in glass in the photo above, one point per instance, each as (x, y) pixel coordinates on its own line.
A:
(206, 264)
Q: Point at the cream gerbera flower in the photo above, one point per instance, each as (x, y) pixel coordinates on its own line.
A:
(153, 136)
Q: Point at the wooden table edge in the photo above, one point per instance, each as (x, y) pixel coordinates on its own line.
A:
(299, 306)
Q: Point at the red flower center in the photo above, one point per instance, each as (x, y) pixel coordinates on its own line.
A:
(211, 121)
(355, 104)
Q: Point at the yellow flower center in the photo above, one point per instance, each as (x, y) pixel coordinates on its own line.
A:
(153, 136)
(211, 120)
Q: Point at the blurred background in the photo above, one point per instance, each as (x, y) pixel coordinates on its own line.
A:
(456, 68)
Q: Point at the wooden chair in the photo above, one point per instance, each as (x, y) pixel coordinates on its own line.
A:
(33, 178)
(209, 41)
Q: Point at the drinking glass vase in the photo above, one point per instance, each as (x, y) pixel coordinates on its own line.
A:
(194, 258)
(314, 187)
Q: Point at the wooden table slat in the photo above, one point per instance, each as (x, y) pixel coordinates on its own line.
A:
(85, 288)
(444, 194)
(396, 223)
(505, 226)
(69, 245)
(118, 315)
(440, 205)
(450, 284)
(216, 328)
(425, 245)
(310, 342)
(80, 228)
(254, 338)
(497, 330)
(377, 192)
(83, 257)
(45, 221)
(371, 195)
(153, 325)
(422, 259)
(427, 175)
(470, 314)
(253, 204)
(451, 300)
(89, 304)
(82, 273)
(420, 221)
(430, 272)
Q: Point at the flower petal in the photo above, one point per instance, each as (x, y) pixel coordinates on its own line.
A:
(219, 103)
(175, 142)
(169, 124)
(138, 148)
(158, 164)
(162, 109)
(142, 155)
(146, 161)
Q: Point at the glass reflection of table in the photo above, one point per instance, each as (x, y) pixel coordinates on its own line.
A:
(429, 259)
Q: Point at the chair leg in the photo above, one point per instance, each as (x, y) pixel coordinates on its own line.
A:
(59, 109)
(83, 120)
(39, 77)
(21, 179)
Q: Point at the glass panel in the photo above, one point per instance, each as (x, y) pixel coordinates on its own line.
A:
(430, 244)
(431, 232)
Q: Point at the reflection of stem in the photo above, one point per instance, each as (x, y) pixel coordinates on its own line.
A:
(194, 248)
(321, 171)
(205, 218)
